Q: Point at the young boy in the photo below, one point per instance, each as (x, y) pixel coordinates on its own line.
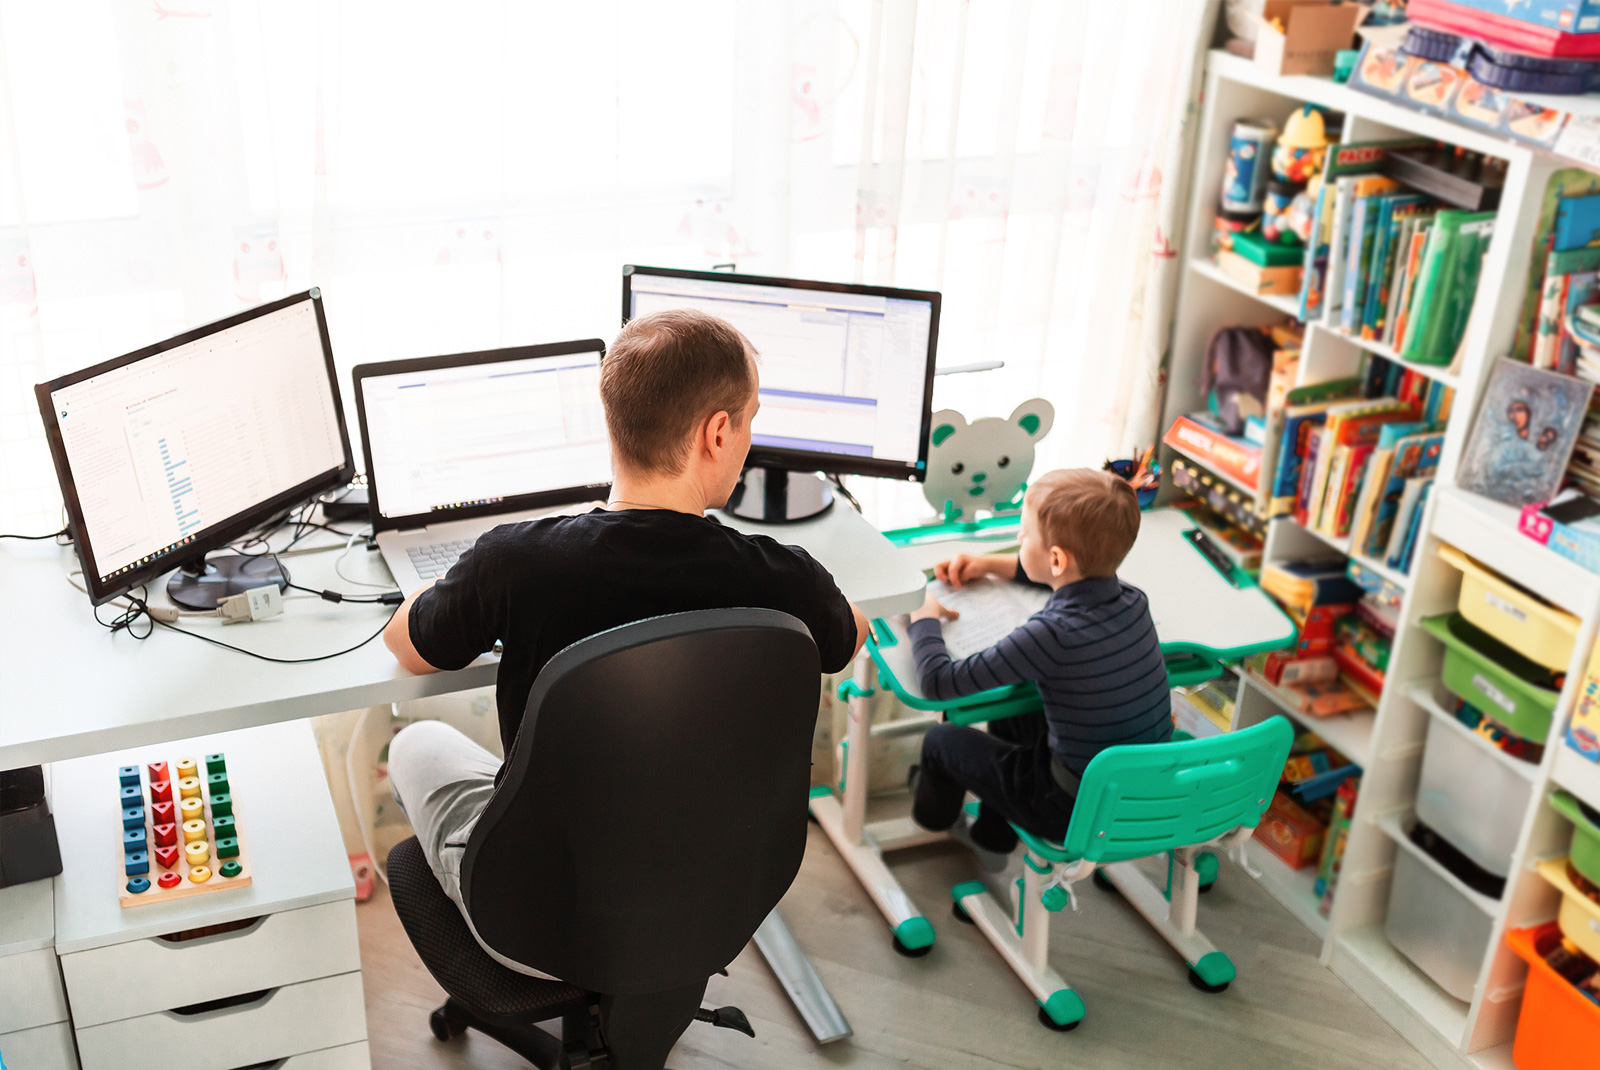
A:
(1092, 651)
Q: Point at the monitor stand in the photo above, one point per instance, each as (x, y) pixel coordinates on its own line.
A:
(202, 584)
(779, 496)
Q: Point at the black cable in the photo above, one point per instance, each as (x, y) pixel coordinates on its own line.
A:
(37, 538)
(391, 598)
(839, 483)
(140, 609)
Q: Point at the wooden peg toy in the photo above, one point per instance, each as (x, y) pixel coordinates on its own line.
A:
(216, 763)
(160, 791)
(221, 805)
(139, 885)
(167, 857)
(217, 784)
(133, 817)
(158, 771)
(227, 847)
(168, 880)
(128, 775)
(200, 874)
(189, 787)
(185, 767)
(166, 834)
(197, 853)
(223, 826)
(191, 809)
(231, 869)
(135, 864)
(132, 797)
(194, 830)
(161, 812)
(133, 840)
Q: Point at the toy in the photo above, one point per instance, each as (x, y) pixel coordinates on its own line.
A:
(984, 464)
(1244, 178)
(1301, 147)
(176, 850)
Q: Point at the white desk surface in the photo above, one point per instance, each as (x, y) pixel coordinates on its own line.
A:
(287, 828)
(72, 688)
(27, 917)
(1190, 603)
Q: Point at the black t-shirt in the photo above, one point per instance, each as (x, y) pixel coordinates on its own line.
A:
(541, 585)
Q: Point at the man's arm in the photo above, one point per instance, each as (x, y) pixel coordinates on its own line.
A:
(397, 637)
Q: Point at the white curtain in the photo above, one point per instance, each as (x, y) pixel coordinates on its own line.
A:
(465, 175)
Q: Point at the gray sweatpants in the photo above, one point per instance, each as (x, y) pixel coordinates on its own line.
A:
(443, 780)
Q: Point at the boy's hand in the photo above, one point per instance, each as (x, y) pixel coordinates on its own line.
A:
(933, 610)
(961, 569)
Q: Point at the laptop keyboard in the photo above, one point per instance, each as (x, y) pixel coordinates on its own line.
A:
(434, 561)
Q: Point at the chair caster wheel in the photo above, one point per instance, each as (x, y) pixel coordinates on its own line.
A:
(1051, 1024)
(961, 915)
(1196, 981)
(1204, 888)
(1103, 881)
(910, 952)
(444, 1026)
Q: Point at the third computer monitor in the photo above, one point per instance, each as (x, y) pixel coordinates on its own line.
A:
(846, 371)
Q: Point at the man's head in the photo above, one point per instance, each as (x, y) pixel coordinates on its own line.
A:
(679, 388)
(1077, 523)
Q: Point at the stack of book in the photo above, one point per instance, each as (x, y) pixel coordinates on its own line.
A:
(1389, 264)
(1319, 597)
(1568, 327)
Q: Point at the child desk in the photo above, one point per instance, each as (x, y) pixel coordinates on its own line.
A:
(1200, 615)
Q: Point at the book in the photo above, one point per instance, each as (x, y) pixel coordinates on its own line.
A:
(1339, 462)
(1349, 424)
(1447, 283)
(1316, 259)
(1405, 515)
(1349, 190)
(1397, 283)
(1527, 427)
(1547, 336)
(1415, 455)
(1577, 222)
(1308, 474)
(1304, 585)
(1285, 366)
(1419, 243)
(1386, 254)
(1372, 485)
(1344, 505)
(1413, 527)
(1232, 457)
(1363, 220)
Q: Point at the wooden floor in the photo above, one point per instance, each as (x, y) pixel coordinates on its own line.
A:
(958, 1008)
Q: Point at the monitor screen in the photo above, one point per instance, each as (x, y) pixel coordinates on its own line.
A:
(178, 448)
(451, 434)
(846, 371)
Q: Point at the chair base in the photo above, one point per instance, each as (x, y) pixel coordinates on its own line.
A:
(541, 1048)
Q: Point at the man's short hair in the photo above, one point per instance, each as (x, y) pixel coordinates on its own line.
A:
(1092, 515)
(666, 372)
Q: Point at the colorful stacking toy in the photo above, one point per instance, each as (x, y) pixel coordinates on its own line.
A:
(178, 832)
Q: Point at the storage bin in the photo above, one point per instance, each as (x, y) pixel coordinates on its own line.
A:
(1525, 622)
(1493, 677)
(1470, 795)
(1435, 925)
(1559, 1028)
(1585, 835)
(1579, 917)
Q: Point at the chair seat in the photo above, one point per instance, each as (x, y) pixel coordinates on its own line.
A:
(1043, 848)
(456, 960)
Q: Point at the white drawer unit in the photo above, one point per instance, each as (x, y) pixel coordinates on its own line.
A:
(44, 1047)
(269, 952)
(269, 973)
(30, 991)
(294, 1020)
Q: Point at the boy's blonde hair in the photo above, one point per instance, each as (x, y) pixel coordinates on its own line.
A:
(1092, 515)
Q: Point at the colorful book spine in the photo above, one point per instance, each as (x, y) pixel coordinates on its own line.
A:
(1232, 457)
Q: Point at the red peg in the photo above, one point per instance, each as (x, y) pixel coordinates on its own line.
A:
(160, 791)
(161, 813)
(158, 771)
(166, 835)
(169, 880)
(168, 856)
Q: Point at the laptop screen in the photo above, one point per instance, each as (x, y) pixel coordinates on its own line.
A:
(470, 436)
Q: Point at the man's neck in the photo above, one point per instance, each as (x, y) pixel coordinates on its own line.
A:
(676, 494)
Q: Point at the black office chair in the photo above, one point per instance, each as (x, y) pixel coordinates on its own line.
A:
(652, 813)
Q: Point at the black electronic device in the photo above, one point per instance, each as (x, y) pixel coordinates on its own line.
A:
(181, 447)
(846, 378)
(29, 850)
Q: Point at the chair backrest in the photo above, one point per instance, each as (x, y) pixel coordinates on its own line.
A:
(1140, 800)
(653, 809)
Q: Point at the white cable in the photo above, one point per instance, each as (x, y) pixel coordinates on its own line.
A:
(338, 564)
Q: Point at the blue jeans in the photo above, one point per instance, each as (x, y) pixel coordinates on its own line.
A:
(1007, 767)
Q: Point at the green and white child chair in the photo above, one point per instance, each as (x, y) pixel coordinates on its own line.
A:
(1176, 799)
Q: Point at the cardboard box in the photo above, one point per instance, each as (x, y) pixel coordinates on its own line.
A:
(1314, 31)
(1290, 833)
(1260, 280)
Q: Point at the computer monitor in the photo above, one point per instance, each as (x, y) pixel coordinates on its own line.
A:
(846, 376)
(482, 434)
(179, 448)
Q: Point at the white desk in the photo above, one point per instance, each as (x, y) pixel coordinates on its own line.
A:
(72, 688)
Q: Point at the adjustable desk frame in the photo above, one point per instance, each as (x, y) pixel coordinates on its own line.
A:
(1186, 593)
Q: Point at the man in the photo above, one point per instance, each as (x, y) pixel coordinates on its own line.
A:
(680, 392)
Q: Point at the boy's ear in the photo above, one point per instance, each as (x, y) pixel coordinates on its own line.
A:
(1035, 416)
(945, 423)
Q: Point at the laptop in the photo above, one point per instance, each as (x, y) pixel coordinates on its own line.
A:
(460, 444)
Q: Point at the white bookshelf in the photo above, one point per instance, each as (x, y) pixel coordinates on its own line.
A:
(1389, 741)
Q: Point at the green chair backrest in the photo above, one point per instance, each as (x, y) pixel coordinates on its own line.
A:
(1143, 799)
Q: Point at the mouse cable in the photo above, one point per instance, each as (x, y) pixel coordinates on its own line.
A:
(155, 623)
(37, 538)
(390, 598)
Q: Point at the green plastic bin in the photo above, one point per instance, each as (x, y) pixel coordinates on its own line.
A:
(1496, 679)
(1585, 857)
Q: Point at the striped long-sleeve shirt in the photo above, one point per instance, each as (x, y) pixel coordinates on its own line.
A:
(1092, 651)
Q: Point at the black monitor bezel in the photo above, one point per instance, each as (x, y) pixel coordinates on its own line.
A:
(223, 532)
(516, 503)
(811, 460)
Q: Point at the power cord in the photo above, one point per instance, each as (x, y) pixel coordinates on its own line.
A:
(37, 538)
(833, 477)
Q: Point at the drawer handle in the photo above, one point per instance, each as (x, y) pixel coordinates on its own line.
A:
(226, 929)
(227, 1005)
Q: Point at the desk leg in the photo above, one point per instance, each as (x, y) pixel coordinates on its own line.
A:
(844, 822)
(799, 978)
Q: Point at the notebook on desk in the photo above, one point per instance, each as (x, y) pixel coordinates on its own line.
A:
(990, 610)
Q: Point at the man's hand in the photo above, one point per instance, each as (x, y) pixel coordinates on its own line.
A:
(932, 609)
(964, 568)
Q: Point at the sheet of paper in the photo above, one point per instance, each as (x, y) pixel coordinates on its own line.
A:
(990, 610)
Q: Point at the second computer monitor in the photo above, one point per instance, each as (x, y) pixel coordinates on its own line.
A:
(846, 371)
